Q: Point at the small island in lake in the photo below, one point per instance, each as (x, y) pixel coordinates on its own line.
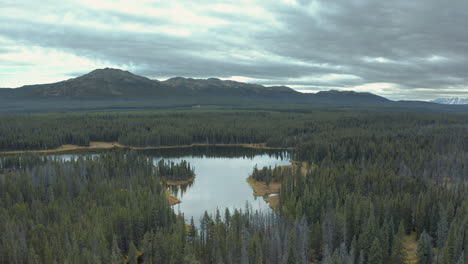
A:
(175, 173)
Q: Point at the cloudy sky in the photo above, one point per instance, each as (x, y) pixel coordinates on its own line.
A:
(399, 49)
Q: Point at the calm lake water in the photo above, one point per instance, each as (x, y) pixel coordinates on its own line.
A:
(221, 174)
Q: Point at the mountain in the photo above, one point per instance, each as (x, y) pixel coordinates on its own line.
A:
(114, 83)
(117, 89)
(350, 97)
(451, 101)
(100, 83)
(214, 86)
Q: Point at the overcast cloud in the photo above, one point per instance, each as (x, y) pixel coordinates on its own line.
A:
(398, 49)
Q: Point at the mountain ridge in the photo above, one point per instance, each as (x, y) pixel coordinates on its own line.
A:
(115, 83)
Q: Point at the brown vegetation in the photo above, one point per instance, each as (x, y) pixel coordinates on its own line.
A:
(178, 183)
(410, 243)
(262, 188)
(172, 200)
(95, 145)
(272, 200)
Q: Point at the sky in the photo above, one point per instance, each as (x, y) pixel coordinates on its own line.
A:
(400, 49)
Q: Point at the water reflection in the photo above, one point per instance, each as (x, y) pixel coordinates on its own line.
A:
(221, 174)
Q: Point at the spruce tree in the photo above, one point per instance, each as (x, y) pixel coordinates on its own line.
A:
(449, 253)
(398, 250)
(132, 254)
(116, 254)
(424, 250)
(376, 255)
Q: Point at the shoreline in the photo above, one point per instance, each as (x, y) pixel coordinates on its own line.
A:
(261, 188)
(272, 201)
(172, 200)
(179, 183)
(269, 192)
(97, 145)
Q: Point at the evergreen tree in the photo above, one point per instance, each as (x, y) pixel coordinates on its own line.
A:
(32, 257)
(442, 232)
(376, 254)
(398, 251)
(116, 254)
(132, 254)
(449, 252)
(424, 250)
(461, 260)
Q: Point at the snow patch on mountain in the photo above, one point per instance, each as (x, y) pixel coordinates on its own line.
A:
(451, 101)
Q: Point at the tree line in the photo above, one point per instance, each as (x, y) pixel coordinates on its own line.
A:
(170, 170)
(276, 129)
(378, 179)
(268, 174)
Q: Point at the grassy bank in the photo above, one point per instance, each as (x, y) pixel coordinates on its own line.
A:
(96, 145)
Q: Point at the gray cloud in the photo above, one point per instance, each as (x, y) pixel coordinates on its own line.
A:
(415, 49)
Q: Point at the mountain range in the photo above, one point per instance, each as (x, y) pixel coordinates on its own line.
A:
(114, 89)
(114, 83)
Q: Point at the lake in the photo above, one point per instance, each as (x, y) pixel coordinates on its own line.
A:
(220, 180)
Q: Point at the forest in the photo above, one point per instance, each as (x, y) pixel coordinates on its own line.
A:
(175, 172)
(268, 174)
(279, 128)
(378, 179)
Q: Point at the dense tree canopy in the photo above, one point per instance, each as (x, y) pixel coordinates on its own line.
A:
(378, 180)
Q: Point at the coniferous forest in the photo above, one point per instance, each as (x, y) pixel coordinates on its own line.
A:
(384, 187)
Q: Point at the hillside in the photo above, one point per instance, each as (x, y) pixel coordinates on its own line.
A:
(217, 86)
(114, 83)
(114, 89)
(100, 83)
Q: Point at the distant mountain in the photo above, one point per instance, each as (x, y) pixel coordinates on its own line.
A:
(451, 101)
(350, 97)
(122, 89)
(114, 83)
(100, 83)
(214, 86)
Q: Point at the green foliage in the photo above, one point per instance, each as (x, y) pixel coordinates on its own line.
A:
(84, 210)
(398, 255)
(424, 250)
(176, 172)
(376, 253)
(371, 171)
(267, 174)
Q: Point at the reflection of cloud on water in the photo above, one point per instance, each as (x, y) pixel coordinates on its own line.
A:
(220, 182)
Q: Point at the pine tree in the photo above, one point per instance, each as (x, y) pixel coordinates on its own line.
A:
(292, 257)
(376, 255)
(116, 255)
(461, 260)
(190, 259)
(132, 254)
(335, 258)
(192, 233)
(385, 241)
(398, 250)
(424, 250)
(442, 231)
(32, 257)
(449, 254)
